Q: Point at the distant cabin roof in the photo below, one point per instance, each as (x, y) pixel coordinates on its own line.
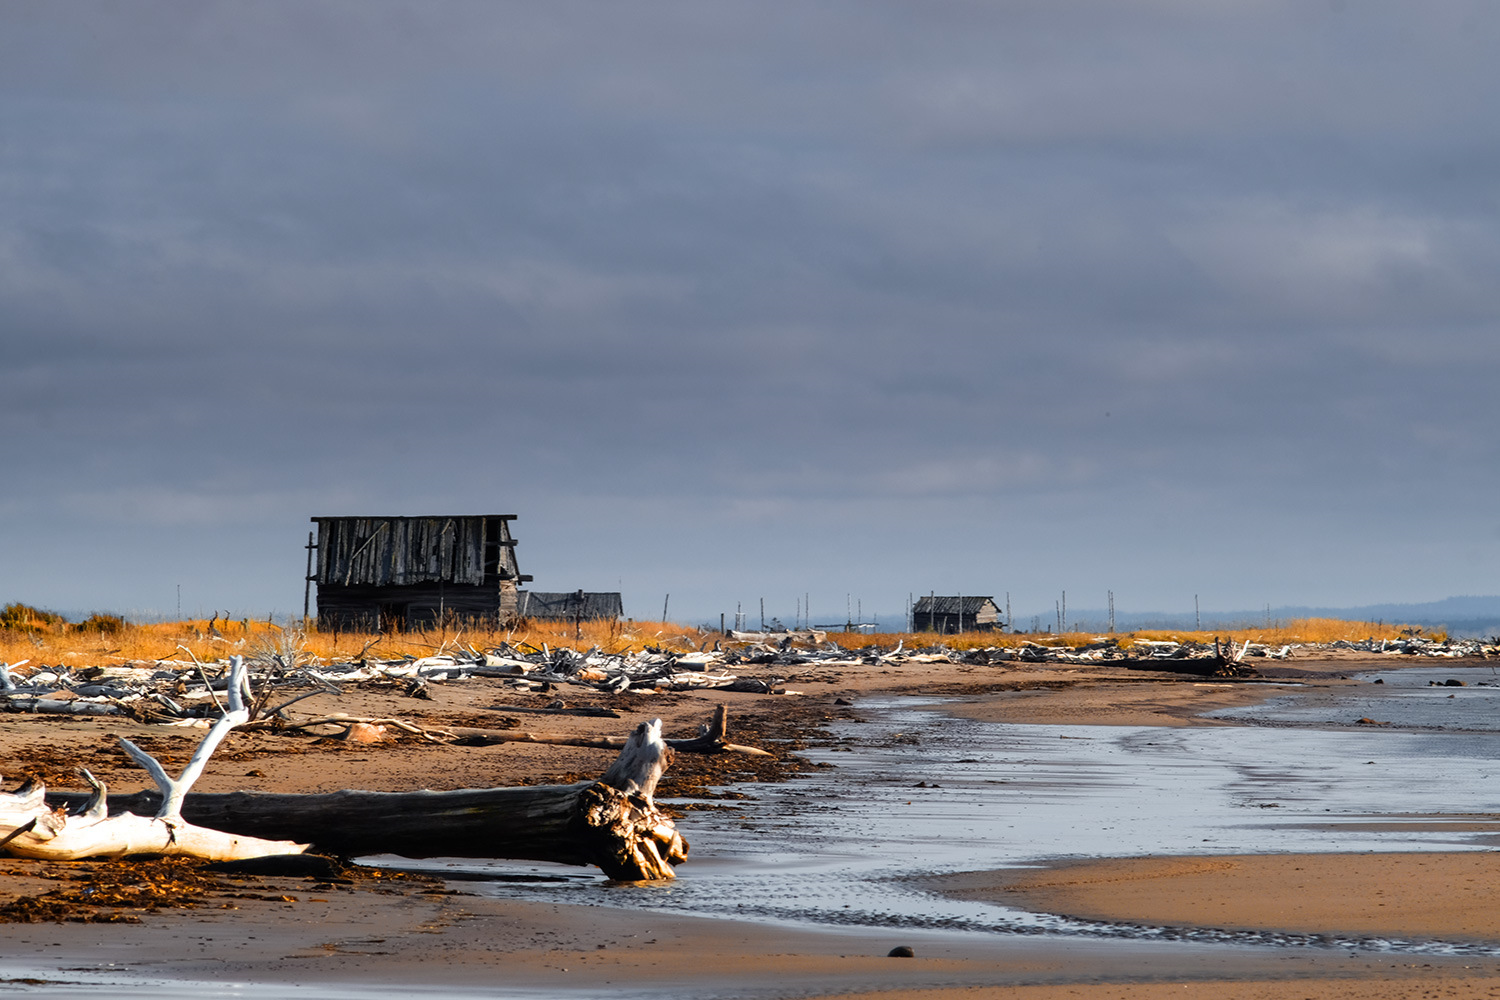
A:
(953, 605)
(575, 604)
(400, 550)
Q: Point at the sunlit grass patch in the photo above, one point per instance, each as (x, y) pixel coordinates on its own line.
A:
(102, 640)
(41, 637)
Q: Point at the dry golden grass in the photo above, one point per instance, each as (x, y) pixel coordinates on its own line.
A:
(214, 639)
(1306, 630)
(1302, 630)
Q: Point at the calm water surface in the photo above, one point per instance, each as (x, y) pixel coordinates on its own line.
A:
(924, 792)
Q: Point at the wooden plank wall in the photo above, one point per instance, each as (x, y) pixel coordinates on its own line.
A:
(417, 606)
(401, 551)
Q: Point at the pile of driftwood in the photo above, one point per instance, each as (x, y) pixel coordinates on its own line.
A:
(187, 692)
(612, 822)
(172, 690)
(1417, 645)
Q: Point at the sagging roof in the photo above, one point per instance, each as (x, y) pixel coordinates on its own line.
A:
(953, 605)
(399, 551)
(569, 606)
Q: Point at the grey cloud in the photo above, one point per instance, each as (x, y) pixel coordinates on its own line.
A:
(1100, 279)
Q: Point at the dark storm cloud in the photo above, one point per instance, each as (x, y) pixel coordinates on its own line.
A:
(1020, 291)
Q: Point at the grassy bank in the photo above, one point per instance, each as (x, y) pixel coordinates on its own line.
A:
(102, 640)
(211, 639)
(1287, 633)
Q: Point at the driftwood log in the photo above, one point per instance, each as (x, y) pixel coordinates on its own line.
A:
(30, 829)
(612, 822)
(1199, 666)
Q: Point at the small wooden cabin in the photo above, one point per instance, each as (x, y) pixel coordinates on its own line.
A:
(384, 573)
(947, 615)
(579, 605)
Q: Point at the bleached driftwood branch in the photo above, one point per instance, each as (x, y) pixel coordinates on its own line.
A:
(29, 829)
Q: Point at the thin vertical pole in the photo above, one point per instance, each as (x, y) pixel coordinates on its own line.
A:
(307, 581)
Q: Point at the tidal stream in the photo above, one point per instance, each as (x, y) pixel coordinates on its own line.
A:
(917, 791)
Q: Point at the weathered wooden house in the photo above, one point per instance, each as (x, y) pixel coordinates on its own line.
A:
(409, 572)
(579, 605)
(955, 614)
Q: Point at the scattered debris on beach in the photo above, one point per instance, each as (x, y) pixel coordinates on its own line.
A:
(187, 691)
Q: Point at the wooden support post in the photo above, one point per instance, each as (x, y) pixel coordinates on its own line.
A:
(308, 579)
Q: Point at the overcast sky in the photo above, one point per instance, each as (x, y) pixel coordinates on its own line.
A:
(742, 300)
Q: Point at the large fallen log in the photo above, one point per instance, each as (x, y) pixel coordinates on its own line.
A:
(612, 823)
(1199, 666)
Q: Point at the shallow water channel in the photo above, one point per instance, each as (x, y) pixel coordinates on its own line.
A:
(917, 791)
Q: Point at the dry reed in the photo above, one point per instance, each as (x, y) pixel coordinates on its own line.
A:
(213, 639)
(1289, 633)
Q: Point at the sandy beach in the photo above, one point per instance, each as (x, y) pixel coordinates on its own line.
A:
(393, 933)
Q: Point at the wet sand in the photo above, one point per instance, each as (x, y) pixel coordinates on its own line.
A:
(389, 937)
(1442, 896)
(463, 944)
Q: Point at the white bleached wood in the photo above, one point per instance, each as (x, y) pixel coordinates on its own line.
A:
(7, 683)
(173, 792)
(29, 829)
